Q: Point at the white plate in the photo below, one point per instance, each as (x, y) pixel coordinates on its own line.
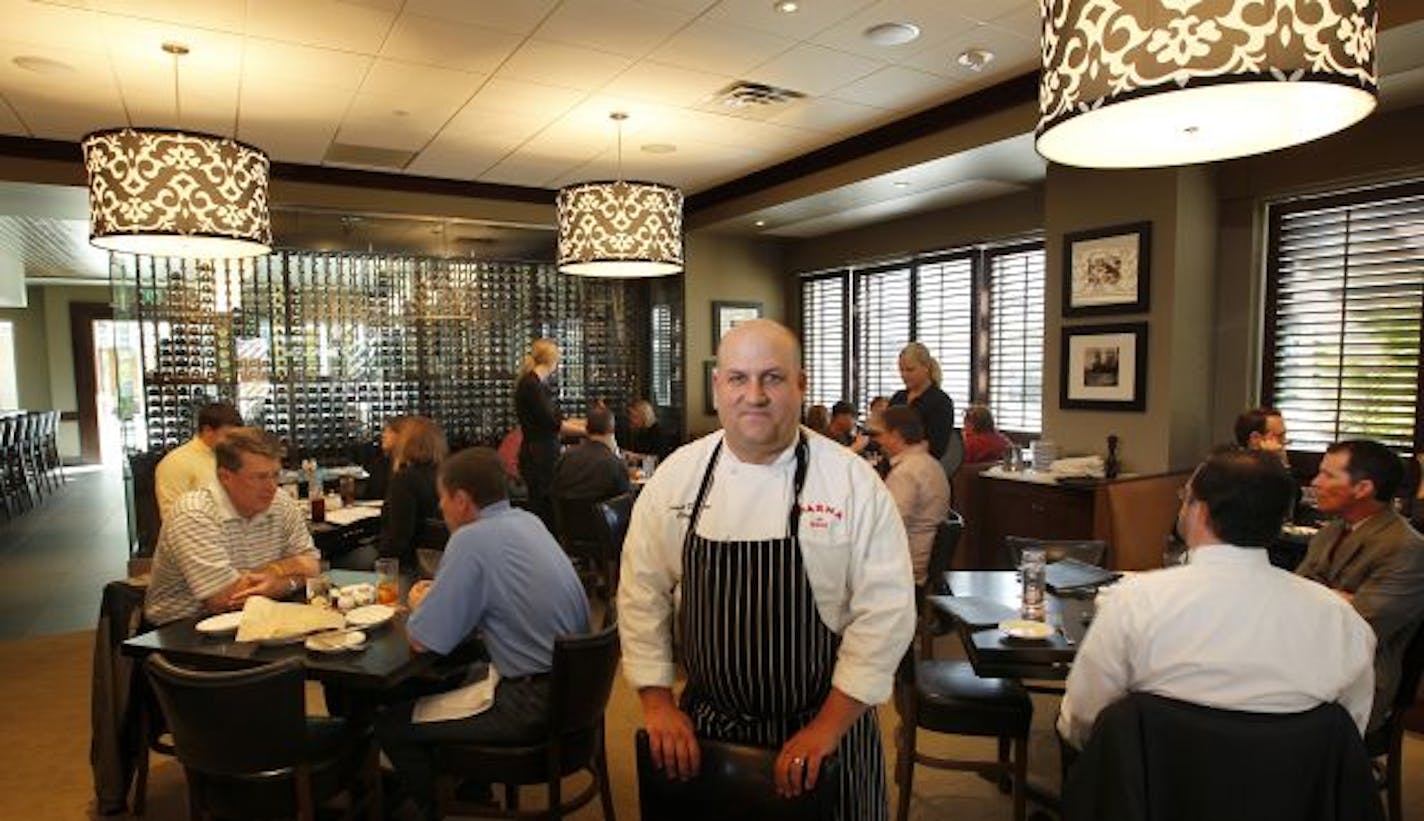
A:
(1025, 629)
(223, 624)
(283, 641)
(336, 644)
(370, 615)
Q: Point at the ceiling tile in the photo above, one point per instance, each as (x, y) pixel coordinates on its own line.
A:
(270, 61)
(457, 158)
(1026, 22)
(66, 112)
(220, 15)
(557, 64)
(618, 26)
(530, 100)
(827, 114)
(666, 84)
(813, 70)
(528, 168)
(50, 26)
(292, 121)
(936, 19)
(1012, 55)
(446, 43)
(519, 17)
(321, 23)
(813, 18)
(897, 87)
(9, 123)
(393, 122)
(411, 84)
(721, 47)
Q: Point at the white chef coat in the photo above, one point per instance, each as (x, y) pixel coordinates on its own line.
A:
(853, 547)
(1227, 630)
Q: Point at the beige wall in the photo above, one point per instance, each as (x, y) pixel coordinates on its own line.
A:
(723, 268)
(31, 359)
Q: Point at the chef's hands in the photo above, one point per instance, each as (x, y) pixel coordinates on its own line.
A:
(671, 739)
(798, 767)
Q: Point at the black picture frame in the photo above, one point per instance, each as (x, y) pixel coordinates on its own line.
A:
(726, 315)
(709, 397)
(1093, 374)
(1108, 270)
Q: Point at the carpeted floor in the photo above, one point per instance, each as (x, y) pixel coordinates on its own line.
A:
(44, 769)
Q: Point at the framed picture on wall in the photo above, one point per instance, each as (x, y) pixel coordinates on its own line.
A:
(709, 399)
(727, 315)
(1107, 270)
(1104, 367)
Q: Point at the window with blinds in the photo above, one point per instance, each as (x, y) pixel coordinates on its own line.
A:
(1345, 298)
(1016, 338)
(882, 328)
(944, 321)
(990, 346)
(824, 338)
(661, 360)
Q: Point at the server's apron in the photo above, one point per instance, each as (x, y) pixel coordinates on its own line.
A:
(759, 659)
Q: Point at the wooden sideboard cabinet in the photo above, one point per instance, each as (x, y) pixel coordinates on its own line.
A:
(1133, 515)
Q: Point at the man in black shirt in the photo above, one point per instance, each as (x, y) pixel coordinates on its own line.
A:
(593, 469)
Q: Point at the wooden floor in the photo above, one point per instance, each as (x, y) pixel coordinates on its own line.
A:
(56, 557)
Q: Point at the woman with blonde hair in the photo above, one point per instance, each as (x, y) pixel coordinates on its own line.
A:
(921, 375)
(645, 435)
(541, 423)
(411, 498)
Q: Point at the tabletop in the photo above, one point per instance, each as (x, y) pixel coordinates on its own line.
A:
(386, 661)
(995, 655)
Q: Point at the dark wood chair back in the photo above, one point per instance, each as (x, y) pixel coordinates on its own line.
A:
(735, 781)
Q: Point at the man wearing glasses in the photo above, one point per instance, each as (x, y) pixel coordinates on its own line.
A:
(233, 539)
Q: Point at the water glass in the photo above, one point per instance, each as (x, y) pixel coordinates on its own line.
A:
(347, 486)
(649, 464)
(1033, 569)
(388, 581)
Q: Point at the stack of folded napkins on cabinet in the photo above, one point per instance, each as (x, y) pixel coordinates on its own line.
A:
(1078, 466)
(267, 620)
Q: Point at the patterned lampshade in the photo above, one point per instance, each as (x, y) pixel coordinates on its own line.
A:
(1143, 83)
(620, 229)
(177, 194)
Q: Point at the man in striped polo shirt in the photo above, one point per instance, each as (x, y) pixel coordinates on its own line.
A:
(238, 537)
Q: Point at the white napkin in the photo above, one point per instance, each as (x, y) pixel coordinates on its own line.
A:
(350, 515)
(1078, 466)
(267, 620)
(461, 702)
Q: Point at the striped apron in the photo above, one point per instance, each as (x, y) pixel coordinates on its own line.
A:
(759, 659)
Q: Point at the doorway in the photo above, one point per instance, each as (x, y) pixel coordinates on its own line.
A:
(118, 389)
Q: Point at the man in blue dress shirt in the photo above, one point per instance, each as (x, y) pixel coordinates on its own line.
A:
(505, 576)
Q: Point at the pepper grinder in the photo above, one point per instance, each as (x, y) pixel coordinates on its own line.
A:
(1112, 467)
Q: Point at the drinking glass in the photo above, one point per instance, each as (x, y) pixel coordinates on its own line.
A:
(388, 581)
(1033, 565)
(348, 490)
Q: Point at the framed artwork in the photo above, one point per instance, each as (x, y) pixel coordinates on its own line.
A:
(1104, 367)
(1107, 270)
(709, 399)
(727, 315)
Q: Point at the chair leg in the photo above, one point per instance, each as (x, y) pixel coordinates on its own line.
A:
(195, 795)
(605, 791)
(1006, 783)
(1020, 776)
(306, 806)
(1393, 776)
(511, 796)
(375, 803)
(905, 768)
(556, 798)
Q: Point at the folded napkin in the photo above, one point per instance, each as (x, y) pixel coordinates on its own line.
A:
(351, 515)
(461, 702)
(1078, 466)
(267, 620)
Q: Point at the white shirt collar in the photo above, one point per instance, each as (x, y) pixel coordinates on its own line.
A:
(782, 459)
(1225, 554)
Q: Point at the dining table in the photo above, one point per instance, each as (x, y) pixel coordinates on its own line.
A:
(384, 661)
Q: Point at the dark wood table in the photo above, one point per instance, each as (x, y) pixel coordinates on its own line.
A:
(995, 655)
(386, 661)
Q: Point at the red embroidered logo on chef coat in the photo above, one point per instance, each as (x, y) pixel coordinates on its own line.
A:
(820, 515)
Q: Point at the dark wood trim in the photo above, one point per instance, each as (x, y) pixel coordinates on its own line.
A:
(32, 148)
(1013, 92)
(86, 376)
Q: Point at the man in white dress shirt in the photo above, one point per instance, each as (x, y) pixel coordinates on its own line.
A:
(792, 579)
(1227, 629)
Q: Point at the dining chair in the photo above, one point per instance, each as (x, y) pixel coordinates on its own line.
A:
(941, 555)
(734, 780)
(249, 751)
(1087, 551)
(1387, 740)
(611, 528)
(948, 697)
(579, 527)
(953, 454)
(1156, 757)
(581, 680)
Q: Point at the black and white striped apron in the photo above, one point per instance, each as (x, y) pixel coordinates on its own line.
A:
(759, 659)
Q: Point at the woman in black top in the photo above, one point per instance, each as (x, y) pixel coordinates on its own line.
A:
(542, 423)
(921, 375)
(411, 498)
(645, 436)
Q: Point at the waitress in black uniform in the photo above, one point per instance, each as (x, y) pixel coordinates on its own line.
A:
(793, 574)
(921, 375)
(542, 424)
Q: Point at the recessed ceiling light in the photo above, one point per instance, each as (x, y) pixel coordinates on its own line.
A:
(975, 58)
(760, 223)
(892, 34)
(659, 148)
(42, 65)
(786, 6)
(901, 184)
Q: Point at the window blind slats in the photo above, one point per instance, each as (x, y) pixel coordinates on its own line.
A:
(944, 321)
(1016, 339)
(824, 338)
(1346, 324)
(882, 316)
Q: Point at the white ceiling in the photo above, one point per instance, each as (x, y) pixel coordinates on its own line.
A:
(500, 91)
